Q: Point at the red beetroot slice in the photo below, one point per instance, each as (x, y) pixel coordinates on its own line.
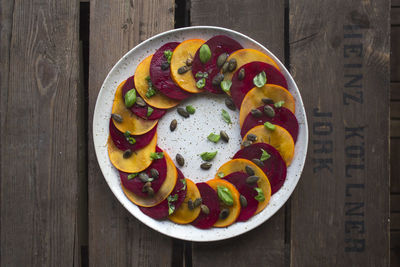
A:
(240, 88)
(210, 199)
(218, 44)
(160, 211)
(138, 110)
(238, 179)
(283, 117)
(274, 167)
(135, 185)
(161, 79)
(121, 143)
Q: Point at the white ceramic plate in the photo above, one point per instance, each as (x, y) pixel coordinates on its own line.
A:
(190, 137)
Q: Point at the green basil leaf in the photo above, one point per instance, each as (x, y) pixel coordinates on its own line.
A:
(157, 155)
(131, 140)
(226, 117)
(204, 53)
(127, 134)
(168, 55)
(150, 90)
(260, 79)
(279, 104)
(183, 181)
(190, 109)
(260, 194)
(149, 111)
(171, 208)
(172, 198)
(225, 195)
(269, 126)
(264, 155)
(201, 83)
(226, 85)
(132, 175)
(130, 98)
(208, 156)
(214, 137)
(221, 175)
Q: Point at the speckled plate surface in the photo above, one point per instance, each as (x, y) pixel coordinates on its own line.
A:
(190, 137)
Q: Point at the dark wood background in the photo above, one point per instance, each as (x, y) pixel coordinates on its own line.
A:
(57, 210)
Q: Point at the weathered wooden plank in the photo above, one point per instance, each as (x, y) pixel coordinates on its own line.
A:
(395, 54)
(266, 244)
(395, 203)
(394, 165)
(395, 3)
(116, 238)
(342, 200)
(395, 221)
(395, 91)
(395, 128)
(38, 160)
(395, 16)
(395, 109)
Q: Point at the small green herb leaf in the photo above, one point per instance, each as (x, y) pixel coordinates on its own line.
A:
(226, 85)
(150, 91)
(208, 156)
(226, 117)
(168, 55)
(214, 137)
(269, 126)
(131, 140)
(132, 175)
(172, 198)
(130, 98)
(190, 109)
(264, 155)
(279, 104)
(157, 155)
(260, 194)
(171, 208)
(260, 79)
(225, 195)
(127, 134)
(183, 181)
(149, 111)
(205, 53)
(201, 83)
(221, 175)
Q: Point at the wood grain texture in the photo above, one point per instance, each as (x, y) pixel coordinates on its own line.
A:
(39, 166)
(395, 91)
(395, 110)
(394, 165)
(266, 244)
(395, 16)
(116, 238)
(338, 217)
(395, 54)
(395, 128)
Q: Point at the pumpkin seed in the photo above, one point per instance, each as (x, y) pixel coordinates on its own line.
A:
(221, 59)
(183, 112)
(217, 79)
(147, 185)
(154, 173)
(127, 154)
(243, 201)
(258, 162)
(140, 102)
(206, 166)
(246, 143)
(252, 179)
(232, 65)
(143, 177)
(180, 160)
(225, 67)
(116, 117)
(267, 101)
(256, 113)
(249, 170)
(204, 53)
(165, 65)
(229, 104)
(197, 202)
(150, 192)
(190, 204)
(183, 69)
(189, 62)
(224, 214)
(205, 209)
(241, 74)
(252, 137)
(269, 111)
(224, 136)
(173, 125)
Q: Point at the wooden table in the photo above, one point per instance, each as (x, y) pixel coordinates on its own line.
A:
(56, 209)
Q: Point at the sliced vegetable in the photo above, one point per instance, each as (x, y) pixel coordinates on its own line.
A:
(210, 200)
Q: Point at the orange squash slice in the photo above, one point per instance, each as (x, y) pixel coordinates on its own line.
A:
(279, 138)
(253, 98)
(139, 160)
(132, 123)
(186, 49)
(247, 55)
(164, 191)
(234, 210)
(183, 215)
(239, 165)
(159, 100)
